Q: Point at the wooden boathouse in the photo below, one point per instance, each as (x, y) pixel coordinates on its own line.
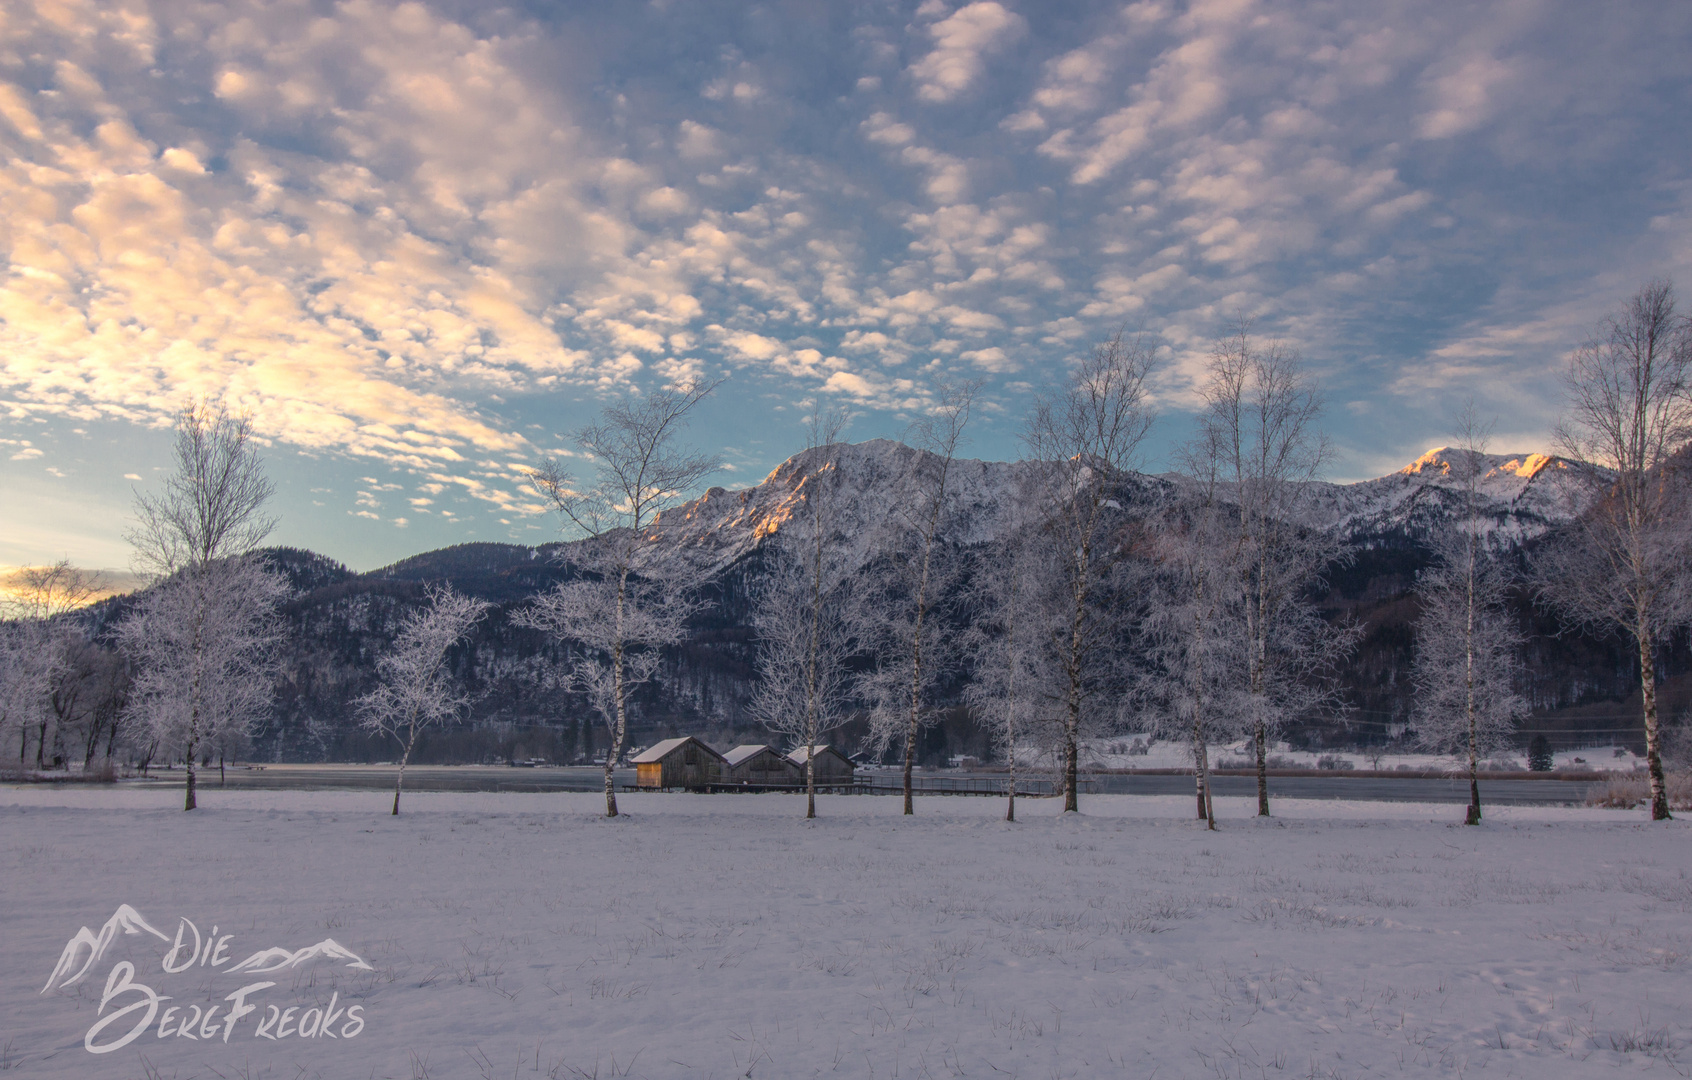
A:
(680, 763)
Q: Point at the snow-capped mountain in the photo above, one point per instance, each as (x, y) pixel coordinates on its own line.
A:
(874, 478)
(1522, 496)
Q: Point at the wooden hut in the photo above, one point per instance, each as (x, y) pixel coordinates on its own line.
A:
(679, 763)
(832, 767)
(758, 764)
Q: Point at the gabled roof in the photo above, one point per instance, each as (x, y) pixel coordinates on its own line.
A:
(797, 756)
(747, 751)
(662, 750)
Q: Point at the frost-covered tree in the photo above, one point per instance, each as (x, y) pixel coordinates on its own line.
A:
(1626, 562)
(904, 684)
(204, 636)
(805, 637)
(204, 645)
(634, 594)
(36, 654)
(1259, 427)
(1009, 608)
(418, 689)
(1468, 650)
(26, 677)
(1194, 628)
(1082, 442)
(806, 616)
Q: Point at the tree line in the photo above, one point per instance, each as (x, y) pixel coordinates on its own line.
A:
(1099, 607)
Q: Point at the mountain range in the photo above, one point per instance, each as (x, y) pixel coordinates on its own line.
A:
(342, 619)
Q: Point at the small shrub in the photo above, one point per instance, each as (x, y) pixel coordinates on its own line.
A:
(1335, 763)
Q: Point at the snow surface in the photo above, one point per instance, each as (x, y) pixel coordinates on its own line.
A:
(716, 936)
(1178, 754)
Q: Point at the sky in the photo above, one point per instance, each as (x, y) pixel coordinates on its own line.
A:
(424, 242)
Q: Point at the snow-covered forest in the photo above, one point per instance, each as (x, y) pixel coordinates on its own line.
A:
(915, 606)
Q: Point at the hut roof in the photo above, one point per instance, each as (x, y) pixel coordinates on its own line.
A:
(660, 751)
(746, 751)
(797, 755)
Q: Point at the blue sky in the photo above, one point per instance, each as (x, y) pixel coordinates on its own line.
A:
(422, 242)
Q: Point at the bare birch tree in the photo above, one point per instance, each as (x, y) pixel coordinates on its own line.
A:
(204, 646)
(1194, 624)
(806, 617)
(203, 636)
(1260, 424)
(1468, 651)
(1010, 631)
(418, 689)
(902, 688)
(1083, 441)
(1624, 563)
(635, 593)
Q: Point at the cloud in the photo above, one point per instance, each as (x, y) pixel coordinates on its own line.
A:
(318, 291)
(421, 240)
(1463, 98)
(962, 42)
(992, 359)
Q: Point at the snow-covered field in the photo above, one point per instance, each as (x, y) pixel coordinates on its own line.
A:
(524, 935)
(1177, 754)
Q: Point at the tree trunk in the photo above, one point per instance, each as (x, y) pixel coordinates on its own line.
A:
(1072, 720)
(1653, 740)
(811, 668)
(194, 697)
(1010, 702)
(910, 749)
(916, 685)
(621, 727)
(916, 669)
(188, 802)
(399, 781)
(93, 746)
(1072, 755)
(1201, 772)
(1201, 760)
(1257, 616)
(1208, 811)
(810, 781)
(1474, 817)
(1262, 737)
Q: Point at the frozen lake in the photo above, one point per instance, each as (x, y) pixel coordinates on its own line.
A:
(518, 935)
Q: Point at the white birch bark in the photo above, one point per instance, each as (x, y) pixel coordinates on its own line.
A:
(1627, 562)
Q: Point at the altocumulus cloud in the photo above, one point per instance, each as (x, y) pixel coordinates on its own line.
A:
(390, 228)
